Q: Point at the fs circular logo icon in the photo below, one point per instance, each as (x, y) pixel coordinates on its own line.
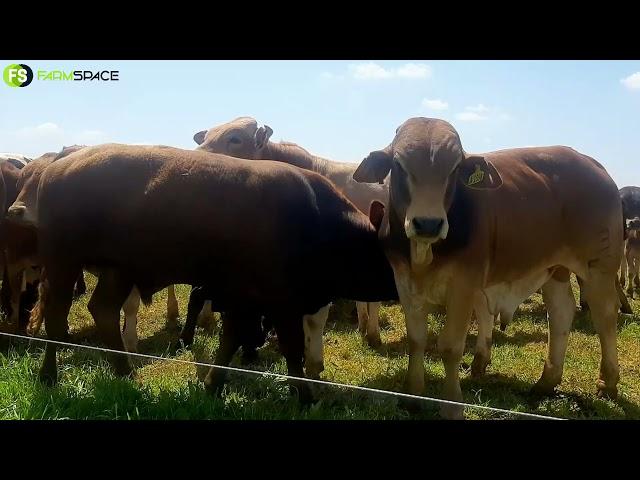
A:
(18, 75)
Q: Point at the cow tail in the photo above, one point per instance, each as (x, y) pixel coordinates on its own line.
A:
(37, 313)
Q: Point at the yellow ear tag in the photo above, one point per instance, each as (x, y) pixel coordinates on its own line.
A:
(476, 177)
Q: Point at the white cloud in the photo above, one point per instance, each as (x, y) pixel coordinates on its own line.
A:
(414, 70)
(366, 71)
(470, 117)
(374, 71)
(632, 82)
(480, 108)
(480, 112)
(435, 104)
(44, 131)
(49, 137)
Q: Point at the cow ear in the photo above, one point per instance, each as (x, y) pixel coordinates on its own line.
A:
(263, 134)
(475, 172)
(376, 214)
(199, 137)
(374, 168)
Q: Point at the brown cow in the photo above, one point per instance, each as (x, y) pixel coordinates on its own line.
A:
(19, 284)
(22, 248)
(241, 138)
(475, 231)
(260, 226)
(631, 261)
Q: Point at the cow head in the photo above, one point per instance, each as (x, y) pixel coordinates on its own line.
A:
(426, 162)
(24, 209)
(633, 227)
(241, 138)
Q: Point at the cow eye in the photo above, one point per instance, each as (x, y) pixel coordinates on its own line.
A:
(235, 140)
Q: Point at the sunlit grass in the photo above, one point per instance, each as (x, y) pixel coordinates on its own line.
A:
(169, 390)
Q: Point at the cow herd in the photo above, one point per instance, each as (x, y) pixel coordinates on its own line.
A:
(270, 235)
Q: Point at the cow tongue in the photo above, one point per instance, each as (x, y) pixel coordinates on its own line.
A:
(421, 253)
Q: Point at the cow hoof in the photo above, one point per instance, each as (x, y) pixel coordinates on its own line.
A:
(610, 393)
(452, 412)
(584, 306)
(48, 379)
(543, 389)
(503, 326)
(122, 368)
(305, 397)
(478, 367)
(214, 382)
(374, 340)
(412, 405)
(249, 357)
(178, 345)
(626, 309)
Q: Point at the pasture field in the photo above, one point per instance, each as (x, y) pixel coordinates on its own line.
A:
(168, 390)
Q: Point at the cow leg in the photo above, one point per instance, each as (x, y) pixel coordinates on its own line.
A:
(106, 301)
(363, 318)
(603, 301)
(584, 306)
(560, 312)
(16, 282)
(291, 339)
(482, 355)
(368, 322)
(415, 317)
(5, 291)
(631, 264)
(172, 307)
(230, 340)
(623, 266)
(253, 338)
(28, 300)
(130, 308)
(451, 347)
(57, 303)
(197, 297)
(206, 318)
(625, 307)
(81, 287)
(373, 325)
(313, 326)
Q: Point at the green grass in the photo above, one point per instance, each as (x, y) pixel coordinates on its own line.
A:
(168, 390)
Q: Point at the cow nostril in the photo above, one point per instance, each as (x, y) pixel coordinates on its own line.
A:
(16, 211)
(427, 226)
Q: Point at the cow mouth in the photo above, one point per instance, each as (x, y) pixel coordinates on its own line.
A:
(421, 253)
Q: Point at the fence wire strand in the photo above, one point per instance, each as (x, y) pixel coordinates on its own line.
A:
(285, 377)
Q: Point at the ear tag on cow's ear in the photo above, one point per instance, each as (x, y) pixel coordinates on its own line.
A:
(476, 177)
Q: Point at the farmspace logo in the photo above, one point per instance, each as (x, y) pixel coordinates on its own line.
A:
(17, 75)
(21, 75)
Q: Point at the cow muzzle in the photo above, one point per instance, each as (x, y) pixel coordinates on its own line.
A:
(16, 212)
(426, 229)
(19, 214)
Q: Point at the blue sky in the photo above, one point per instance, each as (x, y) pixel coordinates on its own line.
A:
(337, 109)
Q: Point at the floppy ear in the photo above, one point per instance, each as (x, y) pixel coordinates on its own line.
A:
(376, 214)
(262, 136)
(374, 168)
(475, 172)
(199, 137)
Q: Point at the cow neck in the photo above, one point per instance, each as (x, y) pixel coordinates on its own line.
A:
(295, 155)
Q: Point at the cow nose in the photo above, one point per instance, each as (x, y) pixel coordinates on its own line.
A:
(428, 227)
(16, 211)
